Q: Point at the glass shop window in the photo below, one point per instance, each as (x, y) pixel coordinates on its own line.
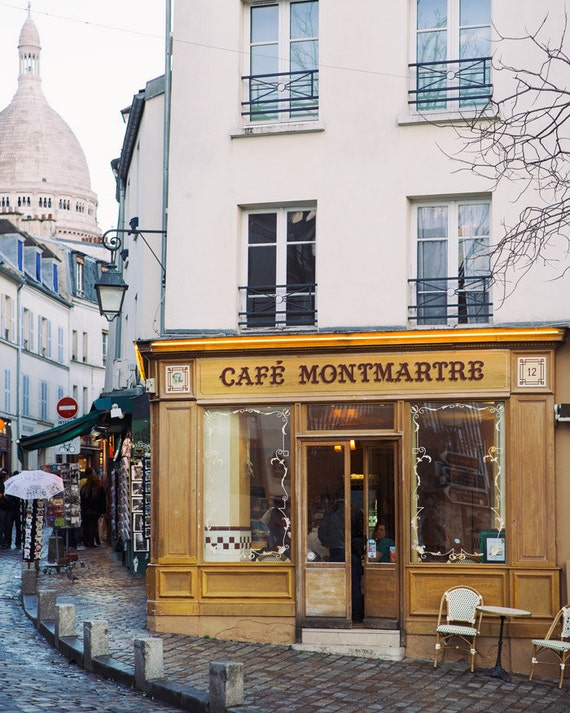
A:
(247, 508)
(457, 493)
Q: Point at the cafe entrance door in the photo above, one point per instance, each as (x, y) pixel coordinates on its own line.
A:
(350, 571)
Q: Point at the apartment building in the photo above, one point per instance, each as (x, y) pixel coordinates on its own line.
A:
(330, 330)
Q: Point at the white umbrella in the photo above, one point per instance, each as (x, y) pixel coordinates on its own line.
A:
(34, 485)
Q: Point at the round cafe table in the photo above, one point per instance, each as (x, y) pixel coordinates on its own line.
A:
(498, 671)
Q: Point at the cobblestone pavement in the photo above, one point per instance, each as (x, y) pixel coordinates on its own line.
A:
(278, 679)
(35, 678)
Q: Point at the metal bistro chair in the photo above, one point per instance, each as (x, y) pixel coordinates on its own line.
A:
(557, 640)
(462, 621)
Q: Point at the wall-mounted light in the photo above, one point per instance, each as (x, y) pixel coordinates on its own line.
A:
(110, 290)
(111, 287)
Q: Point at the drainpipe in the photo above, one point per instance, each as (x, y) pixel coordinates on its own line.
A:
(166, 151)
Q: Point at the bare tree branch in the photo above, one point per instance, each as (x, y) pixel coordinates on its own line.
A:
(524, 138)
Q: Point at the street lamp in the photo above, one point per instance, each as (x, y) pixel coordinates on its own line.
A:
(110, 290)
(111, 287)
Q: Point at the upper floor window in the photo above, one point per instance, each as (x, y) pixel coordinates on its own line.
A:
(25, 395)
(79, 277)
(452, 275)
(453, 48)
(44, 401)
(104, 342)
(281, 289)
(7, 390)
(60, 350)
(44, 337)
(282, 84)
(7, 318)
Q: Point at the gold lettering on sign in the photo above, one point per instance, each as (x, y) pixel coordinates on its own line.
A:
(353, 373)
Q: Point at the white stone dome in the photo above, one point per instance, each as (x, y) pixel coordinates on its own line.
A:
(43, 170)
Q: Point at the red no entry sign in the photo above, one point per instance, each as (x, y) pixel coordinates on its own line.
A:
(67, 407)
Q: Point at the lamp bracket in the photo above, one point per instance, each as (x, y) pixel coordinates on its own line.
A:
(112, 239)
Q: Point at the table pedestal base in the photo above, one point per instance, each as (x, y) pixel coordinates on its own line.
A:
(497, 672)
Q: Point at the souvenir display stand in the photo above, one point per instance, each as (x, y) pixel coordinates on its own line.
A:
(63, 513)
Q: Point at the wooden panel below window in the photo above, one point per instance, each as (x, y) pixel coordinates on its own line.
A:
(325, 592)
(381, 593)
(425, 585)
(260, 583)
(538, 591)
(176, 583)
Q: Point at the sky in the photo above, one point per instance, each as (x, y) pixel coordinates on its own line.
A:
(96, 54)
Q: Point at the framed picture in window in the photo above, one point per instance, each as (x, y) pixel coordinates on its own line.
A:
(494, 546)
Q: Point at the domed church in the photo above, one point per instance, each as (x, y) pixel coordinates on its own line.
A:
(45, 186)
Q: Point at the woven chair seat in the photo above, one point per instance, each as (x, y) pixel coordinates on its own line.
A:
(552, 644)
(459, 630)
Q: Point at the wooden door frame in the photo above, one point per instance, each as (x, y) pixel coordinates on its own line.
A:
(301, 564)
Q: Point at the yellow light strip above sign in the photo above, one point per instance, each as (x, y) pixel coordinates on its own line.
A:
(359, 340)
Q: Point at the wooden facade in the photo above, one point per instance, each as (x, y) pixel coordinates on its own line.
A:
(273, 600)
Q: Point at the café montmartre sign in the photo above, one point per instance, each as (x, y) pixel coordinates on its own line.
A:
(370, 373)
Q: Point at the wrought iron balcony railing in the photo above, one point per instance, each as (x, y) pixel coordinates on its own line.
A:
(281, 96)
(461, 83)
(451, 300)
(278, 306)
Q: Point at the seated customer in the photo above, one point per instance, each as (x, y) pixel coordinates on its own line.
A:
(383, 543)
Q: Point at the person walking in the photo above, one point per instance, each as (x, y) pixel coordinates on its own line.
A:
(93, 505)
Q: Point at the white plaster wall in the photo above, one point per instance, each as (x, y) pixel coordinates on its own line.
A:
(362, 169)
(143, 198)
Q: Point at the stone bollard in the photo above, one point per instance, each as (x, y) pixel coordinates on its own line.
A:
(29, 580)
(149, 660)
(65, 621)
(46, 604)
(95, 642)
(226, 685)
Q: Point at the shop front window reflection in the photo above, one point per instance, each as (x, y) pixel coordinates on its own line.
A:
(457, 480)
(247, 509)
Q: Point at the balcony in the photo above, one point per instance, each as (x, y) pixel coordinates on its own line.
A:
(451, 300)
(281, 97)
(454, 84)
(278, 306)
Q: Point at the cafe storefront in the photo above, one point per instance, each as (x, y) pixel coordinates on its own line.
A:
(431, 452)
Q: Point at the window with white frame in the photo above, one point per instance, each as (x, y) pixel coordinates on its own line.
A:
(44, 400)
(44, 337)
(25, 395)
(27, 329)
(452, 271)
(7, 318)
(79, 277)
(7, 390)
(281, 289)
(453, 54)
(60, 344)
(104, 342)
(282, 84)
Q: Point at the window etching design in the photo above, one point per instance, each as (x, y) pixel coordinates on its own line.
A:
(247, 484)
(457, 488)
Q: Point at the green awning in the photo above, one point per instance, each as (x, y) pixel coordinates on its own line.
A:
(60, 434)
